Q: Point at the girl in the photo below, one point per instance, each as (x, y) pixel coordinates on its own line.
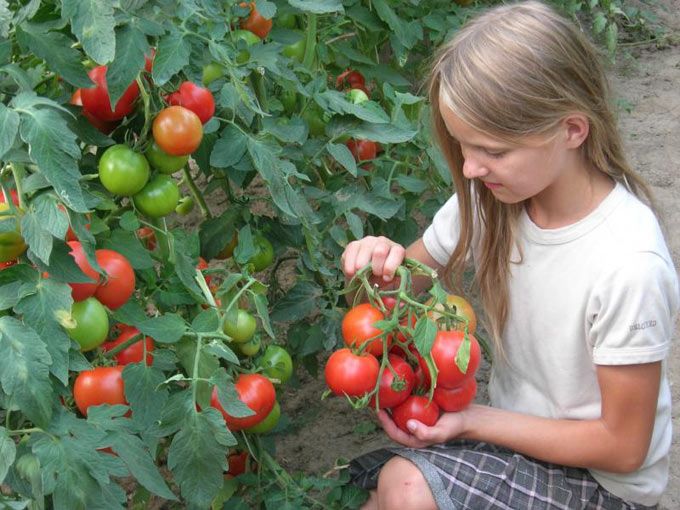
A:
(574, 274)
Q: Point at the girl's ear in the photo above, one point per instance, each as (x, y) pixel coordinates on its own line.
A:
(576, 128)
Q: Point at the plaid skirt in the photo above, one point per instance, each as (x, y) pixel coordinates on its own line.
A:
(472, 475)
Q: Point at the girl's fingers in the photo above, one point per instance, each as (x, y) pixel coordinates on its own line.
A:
(396, 434)
(380, 253)
(348, 258)
(394, 259)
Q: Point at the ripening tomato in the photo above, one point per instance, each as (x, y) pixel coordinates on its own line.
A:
(444, 351)
(101, 385)
(271, 420)
(238, 462)
(158, 198)
(354, 79)
(242, 329)
(164, 162)
(81, 291)
(123, 171)
(97, 102)
(118, 282)
(12, 244)
(351, 374)
(177, 130)
(148, 237)
(134, 353)
(196, 98)
(456, 399)
(394, 390)
(463, 309)
(102, 125)
(255, 391)
(362, 149)
(91, 324)
(228, 250)
(357, 328)
(255, 23)
(415, 407)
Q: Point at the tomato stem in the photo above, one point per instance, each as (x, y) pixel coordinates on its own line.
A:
(196, 193)
(133, 339)
(310, 42)
(147, 114)
(194, 373)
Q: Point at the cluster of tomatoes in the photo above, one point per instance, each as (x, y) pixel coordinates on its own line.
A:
(400, 380)
(354, 83)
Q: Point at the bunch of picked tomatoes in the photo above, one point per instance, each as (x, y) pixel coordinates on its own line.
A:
(415, 359)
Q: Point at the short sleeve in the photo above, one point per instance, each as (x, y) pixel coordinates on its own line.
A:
(441, 237)
(633, 311)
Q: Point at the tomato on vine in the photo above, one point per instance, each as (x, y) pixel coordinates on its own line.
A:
(444, 350)
(162, 161)
(251, 347)
(351, 374)
(357, 96)
(134, 353)
(255, 23)
(81, 291)
(296, 51)
(123, 171)
(362, 149)
(101, 385)
(158, 198)
(255, 391)
(271, 420)
(212, 72)
(276, 363)
(394, 389)
(96, 100)
(242, 329)
(177, 130)
(12, 244)
(90, 324)
(352, 78)
(358, 328)
(264, 253)
(148, 237)
(197, 99)
(118, 282)
(415, 407)
(228, 250)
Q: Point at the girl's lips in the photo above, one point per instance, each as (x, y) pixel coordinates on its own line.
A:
(492, 185)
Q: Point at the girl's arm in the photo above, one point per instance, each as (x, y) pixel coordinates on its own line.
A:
(618, 441)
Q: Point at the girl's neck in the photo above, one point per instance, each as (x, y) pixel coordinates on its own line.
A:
(570, 198)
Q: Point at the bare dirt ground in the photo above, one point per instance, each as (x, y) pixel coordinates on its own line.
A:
(646, 80)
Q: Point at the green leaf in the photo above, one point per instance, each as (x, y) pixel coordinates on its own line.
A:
(383, 133)
(24, 370)
(184, 248)
(343, 155)
(216, 233)
(92, 22)
(228, 396)
(127, 244)
(354, 197)
(218, 349)
(131, 46)
(172, 55)
(369, 111)
(261, 305)
(599, 22)
(197, 457)
(407, 33)
(56, 50)
(463, 354)
(40, 223)
(424, 335)
(299, 302)
(8, 451)
(205, 322)
(318, 6)
(166, 329)
(266, 9)
(230, 147)
(144, 393)
(9, 127)
(286, 130)
(356, 226)
(53, 147)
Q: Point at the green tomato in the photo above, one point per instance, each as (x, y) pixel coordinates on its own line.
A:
(277, 363)
(314, 118)
(212, 72)
(288, 99)
(123, 171)
(164, 162)
(287, 20)
(269, 422)
(12, 244)
(296, 51)
(357, 96)
(91, 324)
(251, 347)
(185, 206)
(243, 329)
(264, 253)
(158, 198)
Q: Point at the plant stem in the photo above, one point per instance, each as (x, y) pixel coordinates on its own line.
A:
(198, 196)
(310, 42)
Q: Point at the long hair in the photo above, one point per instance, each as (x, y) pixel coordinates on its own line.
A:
(517, 71)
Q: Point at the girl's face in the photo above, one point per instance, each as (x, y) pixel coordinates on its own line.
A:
(513, 173)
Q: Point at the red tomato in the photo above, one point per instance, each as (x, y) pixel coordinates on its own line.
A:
(354, 79)
(255, 23)
(148, 237)
(444, 350)
(101, 385)
(5, 265)
(255, 391)
(351, 374)
(177, 130)
(133, 353)
(97, 102)
(82, 291)
(148, 60)
(118, 282)
(357, 328)
(415, 407)
(15, 197)
(102, 125)
(237, 463)
(362, 149)
(458, 398)
(197, 99)
(394, 390)
(202, 264)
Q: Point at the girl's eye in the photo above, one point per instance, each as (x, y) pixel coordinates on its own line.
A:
(495, 154)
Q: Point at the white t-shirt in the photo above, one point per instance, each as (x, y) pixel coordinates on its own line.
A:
(602, 291)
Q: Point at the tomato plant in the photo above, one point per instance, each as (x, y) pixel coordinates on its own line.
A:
(81, 291)
(89, 324)
(195, 98)
(415, 407)
(177, 130)
(123, 171)
(158, 198)
(255, 23)
(296, 51)
(96, 100)
(351, 374)
(133, 353)
(101, 385)
(102, 125)
(118, 281)
(255, 391)
(358, 328)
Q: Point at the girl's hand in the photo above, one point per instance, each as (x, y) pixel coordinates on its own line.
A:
(449, 426)
(384, 255)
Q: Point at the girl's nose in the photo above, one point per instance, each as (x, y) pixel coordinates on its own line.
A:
(473, 169)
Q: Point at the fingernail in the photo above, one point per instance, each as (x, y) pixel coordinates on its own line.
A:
(387, 278)
(411, 425)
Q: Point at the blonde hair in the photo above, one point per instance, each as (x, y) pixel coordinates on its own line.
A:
(517, 71)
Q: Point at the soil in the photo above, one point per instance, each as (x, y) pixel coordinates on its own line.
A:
(646, 82)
